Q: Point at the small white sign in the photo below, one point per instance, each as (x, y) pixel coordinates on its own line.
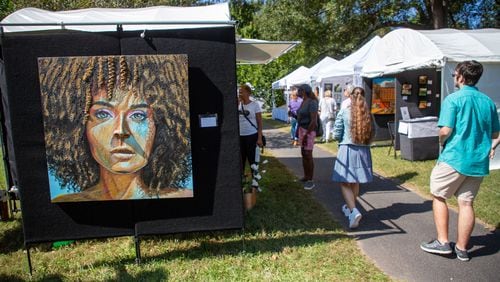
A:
(403, 128)
(405, 113)
(429, 82)
(209, 120)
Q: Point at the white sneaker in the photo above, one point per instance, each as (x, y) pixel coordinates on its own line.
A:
(354, 218)
(346, 210)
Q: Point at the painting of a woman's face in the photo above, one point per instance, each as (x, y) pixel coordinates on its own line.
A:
(120, 131)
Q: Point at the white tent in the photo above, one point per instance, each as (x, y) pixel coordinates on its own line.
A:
(407, 49)
(254, 51)
(350, 65)
(291, 78)
(286, 82)
(347, 70)
(248, 51)
(310, 76)
(317, 68)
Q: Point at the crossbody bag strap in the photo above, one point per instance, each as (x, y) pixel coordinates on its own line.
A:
(243, 111)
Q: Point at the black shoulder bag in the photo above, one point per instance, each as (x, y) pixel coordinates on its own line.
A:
(246, 117)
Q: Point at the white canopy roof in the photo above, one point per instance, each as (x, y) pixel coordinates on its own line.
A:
(248, 51)
(253, 51)
(349, 65)
(305, 77)
(100, 19)
(406, 49)
(291, 78)
(317, 68)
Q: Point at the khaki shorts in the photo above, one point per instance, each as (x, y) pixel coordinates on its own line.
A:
(446, 182)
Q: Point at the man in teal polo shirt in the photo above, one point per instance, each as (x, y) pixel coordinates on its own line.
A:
(468, 122)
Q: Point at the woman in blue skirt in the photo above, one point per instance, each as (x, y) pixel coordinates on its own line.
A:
(353, 130)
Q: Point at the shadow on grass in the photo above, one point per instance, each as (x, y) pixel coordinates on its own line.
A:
(11, 237)
(209, 248)
(153, 275)
(11, 278)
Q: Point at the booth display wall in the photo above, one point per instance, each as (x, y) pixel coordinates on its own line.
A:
(432, 100)
(412, 101)
(217, 197)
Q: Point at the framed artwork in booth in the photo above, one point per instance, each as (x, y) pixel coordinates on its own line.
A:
(383, 96)
(406, 89)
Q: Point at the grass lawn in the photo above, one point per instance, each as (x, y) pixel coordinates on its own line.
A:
(288, 237)
(415, 176)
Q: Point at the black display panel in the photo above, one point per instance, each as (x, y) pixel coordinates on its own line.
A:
(217, 197)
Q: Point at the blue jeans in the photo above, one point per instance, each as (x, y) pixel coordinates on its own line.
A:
(293, 128)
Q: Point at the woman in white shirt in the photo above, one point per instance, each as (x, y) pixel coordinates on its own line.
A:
(327, 109)
(250, 118)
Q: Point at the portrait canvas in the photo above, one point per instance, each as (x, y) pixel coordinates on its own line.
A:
(116, 127)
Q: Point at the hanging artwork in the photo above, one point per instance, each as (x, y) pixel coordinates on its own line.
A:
(116, 127)
(384, 96)
(406, 89)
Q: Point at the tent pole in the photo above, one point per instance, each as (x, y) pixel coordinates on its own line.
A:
(137, 249)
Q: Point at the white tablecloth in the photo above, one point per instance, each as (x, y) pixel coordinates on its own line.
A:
(280, 113)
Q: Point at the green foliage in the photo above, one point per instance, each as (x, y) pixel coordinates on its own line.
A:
(336, 28)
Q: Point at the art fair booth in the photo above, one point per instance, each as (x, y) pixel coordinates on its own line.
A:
(301, 75)
(90, 96)
(285, 83)
(311, 77)
(335, 76)
(410, 72)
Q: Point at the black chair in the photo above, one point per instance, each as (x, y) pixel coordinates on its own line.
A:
(391, 125)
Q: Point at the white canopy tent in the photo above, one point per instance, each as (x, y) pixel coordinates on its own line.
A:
(323, 64)
(407, 49)
(310, 77)
(254, 51)
(349, 66)
(248, 51)
(347, 70)
(291, 78)
(286, 82)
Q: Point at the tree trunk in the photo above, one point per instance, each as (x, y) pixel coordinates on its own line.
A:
(438, 11)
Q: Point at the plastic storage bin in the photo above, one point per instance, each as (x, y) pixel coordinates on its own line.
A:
(419, 138)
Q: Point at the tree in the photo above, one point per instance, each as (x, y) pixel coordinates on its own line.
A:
(336, 28)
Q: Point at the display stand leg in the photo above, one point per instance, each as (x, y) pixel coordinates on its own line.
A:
(29, 260)
(137, 249)
(243, 237)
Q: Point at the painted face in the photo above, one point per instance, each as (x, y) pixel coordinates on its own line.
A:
(120, 131)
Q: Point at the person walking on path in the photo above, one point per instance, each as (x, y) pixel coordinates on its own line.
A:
(327, 109)
(353, 130)
(307, 116)
(468, 122)
(293, 107)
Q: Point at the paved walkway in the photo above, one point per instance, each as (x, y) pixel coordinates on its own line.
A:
(395, 222)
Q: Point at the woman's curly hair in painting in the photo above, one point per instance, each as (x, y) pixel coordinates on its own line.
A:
(67, 85)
